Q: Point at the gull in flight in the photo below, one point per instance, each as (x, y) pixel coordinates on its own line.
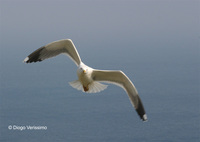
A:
(89, 79)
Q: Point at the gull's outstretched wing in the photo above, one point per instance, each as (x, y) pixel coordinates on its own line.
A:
(53, 49)
(120, 79)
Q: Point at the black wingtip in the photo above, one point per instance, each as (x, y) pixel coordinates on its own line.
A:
(28, 60)
(140, 110)
(34, 57)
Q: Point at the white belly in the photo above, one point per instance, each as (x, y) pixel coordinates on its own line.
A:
(84, 78)
(85, 81)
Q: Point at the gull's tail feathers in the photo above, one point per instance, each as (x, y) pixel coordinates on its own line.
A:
(94, 87)
(76, 84)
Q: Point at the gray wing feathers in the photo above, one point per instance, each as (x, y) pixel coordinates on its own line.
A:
(53, 49)
(120, 79)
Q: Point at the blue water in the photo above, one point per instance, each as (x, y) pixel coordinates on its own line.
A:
(39, 95)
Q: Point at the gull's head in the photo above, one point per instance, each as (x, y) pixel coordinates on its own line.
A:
(84, 70)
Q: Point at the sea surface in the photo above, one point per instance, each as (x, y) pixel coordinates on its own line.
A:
(38, 96)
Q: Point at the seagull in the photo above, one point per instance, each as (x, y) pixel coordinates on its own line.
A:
(89, 80)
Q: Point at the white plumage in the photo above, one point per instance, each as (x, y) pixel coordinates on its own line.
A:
(88, 78)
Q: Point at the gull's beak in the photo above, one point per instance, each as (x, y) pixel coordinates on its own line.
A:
(84, 71)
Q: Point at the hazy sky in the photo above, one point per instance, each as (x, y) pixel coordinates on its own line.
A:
(99, 20)
(143, 26)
